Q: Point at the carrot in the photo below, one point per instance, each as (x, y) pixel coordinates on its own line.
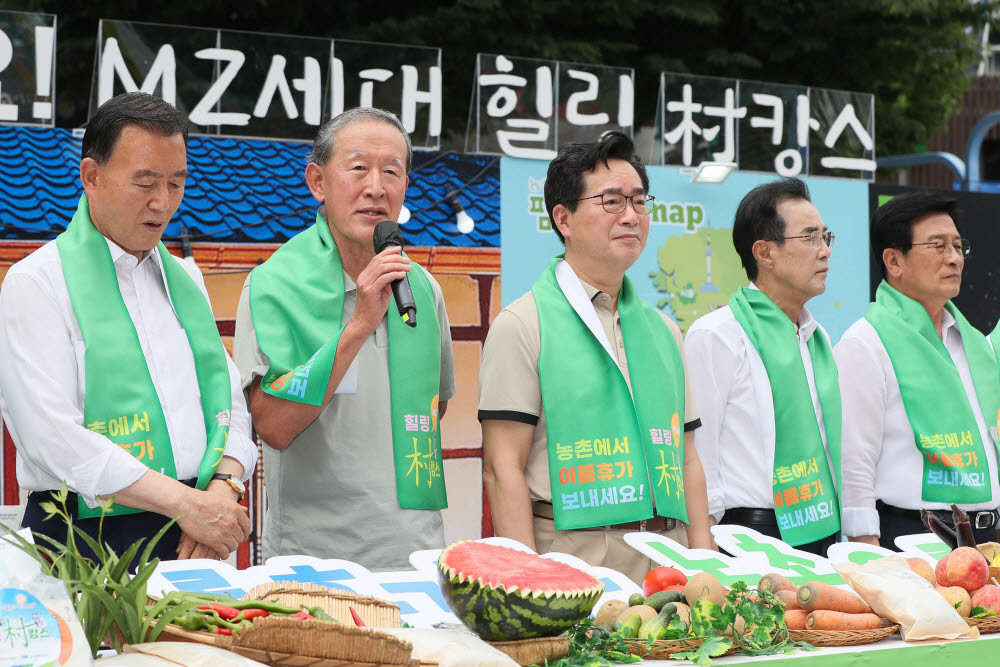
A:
(789, 598)
(775, 582)
(824, 619)
(795, 619)
(817, 595)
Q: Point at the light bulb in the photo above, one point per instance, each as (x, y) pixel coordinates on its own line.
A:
(465, 222)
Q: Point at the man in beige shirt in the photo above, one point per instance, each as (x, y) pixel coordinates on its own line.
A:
(596, 195)
(333, 468)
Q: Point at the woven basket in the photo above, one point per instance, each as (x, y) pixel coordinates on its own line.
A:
(374, 612)
(293, 642)
(844, 637)
(989, 549)
(985, 625)
(535, 651)
(662, 650)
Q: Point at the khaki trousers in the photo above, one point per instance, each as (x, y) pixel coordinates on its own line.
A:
(603, 547)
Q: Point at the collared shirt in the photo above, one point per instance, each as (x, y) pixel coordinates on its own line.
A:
(509, 387)
(43, 379)
(881, 460)
(332, 492)
(736, 438)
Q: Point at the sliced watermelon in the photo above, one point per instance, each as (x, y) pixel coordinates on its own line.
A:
(503, 594)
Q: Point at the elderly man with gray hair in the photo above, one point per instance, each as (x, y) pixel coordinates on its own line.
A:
(346, 398)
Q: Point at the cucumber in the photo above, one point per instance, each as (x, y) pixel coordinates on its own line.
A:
(636, 599)
(657, 600)
(630, 626)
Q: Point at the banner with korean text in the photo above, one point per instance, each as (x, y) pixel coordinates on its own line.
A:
(255, 84)
(528, 108)
(785, 129)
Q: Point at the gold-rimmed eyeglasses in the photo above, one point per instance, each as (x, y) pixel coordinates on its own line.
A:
(961, 246)
(816, 238)
(615, 203)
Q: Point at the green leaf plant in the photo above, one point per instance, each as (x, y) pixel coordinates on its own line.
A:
(110, 601)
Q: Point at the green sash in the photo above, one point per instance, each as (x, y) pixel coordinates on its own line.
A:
(805, 499)
(120, 401)
(944, 426)
(297, 307)
(605, 444)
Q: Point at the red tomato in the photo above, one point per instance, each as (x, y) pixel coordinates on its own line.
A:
(662, 579)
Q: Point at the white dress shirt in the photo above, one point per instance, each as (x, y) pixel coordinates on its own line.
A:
(881, 460)
(736, 438)
(43, 380)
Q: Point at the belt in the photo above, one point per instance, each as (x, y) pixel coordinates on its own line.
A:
(980, 519)
(751, 516)
(543, 510)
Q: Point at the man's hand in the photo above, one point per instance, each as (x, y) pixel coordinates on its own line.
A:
(213, 521)
(374, 290)
(866, 539)
(189, 547)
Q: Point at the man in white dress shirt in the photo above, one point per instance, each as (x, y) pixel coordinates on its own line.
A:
(113, 378)
(764, 377)
(921, 397)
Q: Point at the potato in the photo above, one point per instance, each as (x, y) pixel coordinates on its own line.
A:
(609, 612)
(704, 585)
(645, 612)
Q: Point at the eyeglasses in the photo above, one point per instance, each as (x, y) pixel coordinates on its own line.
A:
(816, 238)
(961, 246)
(615, 203)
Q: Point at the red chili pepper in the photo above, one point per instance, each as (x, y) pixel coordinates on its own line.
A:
(304, 615)
(225, 613)
(223, 631)
(251, 614)
(357, 619)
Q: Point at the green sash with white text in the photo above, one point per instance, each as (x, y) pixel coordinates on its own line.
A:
(120, 400)
(605, 445)
(297, 307)
(805, 499)
(944, 426)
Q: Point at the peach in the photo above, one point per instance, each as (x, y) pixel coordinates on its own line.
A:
(921, 567)
(958, 598)
(967, 568)
(988, 596)
(940, 572)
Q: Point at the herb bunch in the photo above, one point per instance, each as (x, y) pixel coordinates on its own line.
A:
(110, 602)
(593, 646)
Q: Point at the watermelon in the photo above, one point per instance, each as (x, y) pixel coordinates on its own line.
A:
(504, 594)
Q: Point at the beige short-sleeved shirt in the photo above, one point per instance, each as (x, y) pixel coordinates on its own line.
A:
(509, 387)
(332, 492)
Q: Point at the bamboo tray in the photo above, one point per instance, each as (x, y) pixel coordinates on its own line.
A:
(537, 651)
(374, 612)
(289, 642)
(844, 637)
(985, 625)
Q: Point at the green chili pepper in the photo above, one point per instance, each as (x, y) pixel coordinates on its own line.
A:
(320, 614)
(191, 621)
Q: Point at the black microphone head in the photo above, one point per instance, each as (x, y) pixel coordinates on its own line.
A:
(386, 234)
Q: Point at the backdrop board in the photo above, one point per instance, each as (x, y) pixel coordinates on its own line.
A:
(978, 219)
(689, 266)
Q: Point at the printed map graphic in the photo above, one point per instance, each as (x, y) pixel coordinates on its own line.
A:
(696, 274)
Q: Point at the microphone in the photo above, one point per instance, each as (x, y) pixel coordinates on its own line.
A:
(387, 234)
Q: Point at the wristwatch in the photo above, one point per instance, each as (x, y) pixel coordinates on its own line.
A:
(233, 481)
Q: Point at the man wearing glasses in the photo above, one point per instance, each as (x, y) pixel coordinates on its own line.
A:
(583, 393)
(921, 396)
(764, 376)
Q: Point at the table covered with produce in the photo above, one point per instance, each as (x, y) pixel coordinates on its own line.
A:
(494, 602)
